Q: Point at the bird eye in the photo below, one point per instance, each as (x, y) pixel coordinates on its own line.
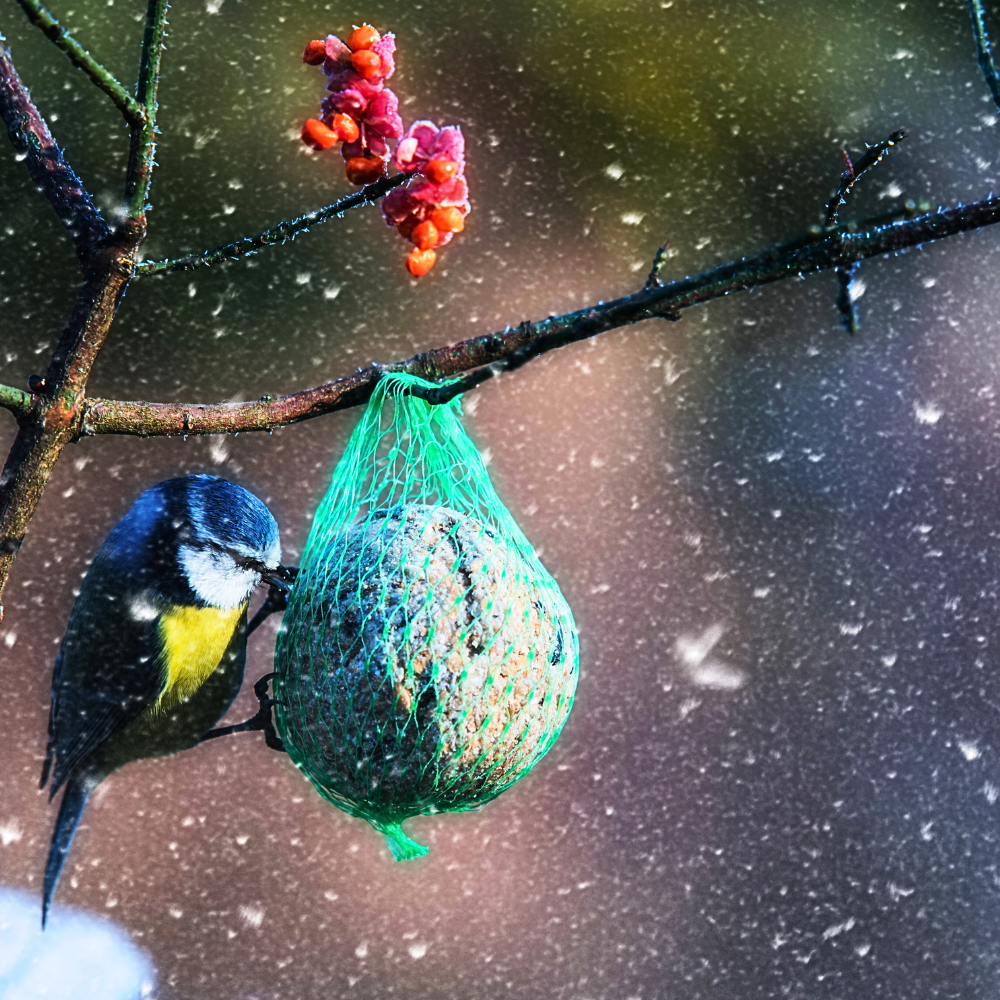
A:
(246, 562)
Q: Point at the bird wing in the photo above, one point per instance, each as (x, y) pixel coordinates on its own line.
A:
(107, 670)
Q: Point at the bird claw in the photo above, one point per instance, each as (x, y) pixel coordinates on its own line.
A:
(260, 722)
(263, 716)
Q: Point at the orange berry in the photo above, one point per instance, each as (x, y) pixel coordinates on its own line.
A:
(366, 64)
(439, 171)
(448, 220)
(316, 135)
(362, 38)
(420, 262)
(364, 169)
(425, 236)
(346, 127)
(315, 52)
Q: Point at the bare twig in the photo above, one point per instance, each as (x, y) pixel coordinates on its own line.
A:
(846, 304)
(143, 145)
(491, 354)
(53, 175)
(983, 49)
(814, 234)
(847, 273)
(278, 234)
(655, 277)
(854, 170)
(82, 59)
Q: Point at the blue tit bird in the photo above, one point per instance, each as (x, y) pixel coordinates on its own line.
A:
(154, 650)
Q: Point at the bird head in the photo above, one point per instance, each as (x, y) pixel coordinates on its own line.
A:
(196, 539)
(227, 540)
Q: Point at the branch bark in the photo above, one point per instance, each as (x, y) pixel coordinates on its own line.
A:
(107, 260)
(850, 177)
(32, 139)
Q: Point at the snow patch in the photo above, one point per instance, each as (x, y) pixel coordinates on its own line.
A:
(693, 655)
(252, 916)
(832, 932)
(927, 413)
(10, 832)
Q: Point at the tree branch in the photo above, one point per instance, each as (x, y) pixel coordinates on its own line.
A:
(106, 260)
(82, 59)
(499, 352)
(983, 49)
(143, 145)
(279, 234)
(32, 139)
(15, 400)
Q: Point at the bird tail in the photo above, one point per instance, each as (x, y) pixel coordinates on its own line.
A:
(78, 790)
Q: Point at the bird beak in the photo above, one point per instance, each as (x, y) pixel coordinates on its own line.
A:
(282, 577)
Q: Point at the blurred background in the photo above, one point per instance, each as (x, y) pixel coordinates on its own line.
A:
(782, 772)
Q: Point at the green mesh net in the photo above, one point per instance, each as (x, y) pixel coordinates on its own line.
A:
(427, 659)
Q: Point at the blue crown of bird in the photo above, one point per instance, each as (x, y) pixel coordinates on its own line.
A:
(154, 650)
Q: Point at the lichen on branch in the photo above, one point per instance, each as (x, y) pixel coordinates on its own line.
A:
(15, 400)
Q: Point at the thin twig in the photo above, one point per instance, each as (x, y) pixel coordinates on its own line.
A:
(847, 274)
(82, 59)
(984, 50)
(516, 346)
(15, 400)
(143, 145)
(278, 234)
(854, 170)
(44, 159)
(846, 304)
(655, 277)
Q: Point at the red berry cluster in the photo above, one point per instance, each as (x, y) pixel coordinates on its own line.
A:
(361, 112)
(432, 209)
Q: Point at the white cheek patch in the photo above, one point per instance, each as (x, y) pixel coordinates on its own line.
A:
(216, 578)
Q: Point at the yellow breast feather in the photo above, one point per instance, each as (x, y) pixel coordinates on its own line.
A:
(194, 640)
